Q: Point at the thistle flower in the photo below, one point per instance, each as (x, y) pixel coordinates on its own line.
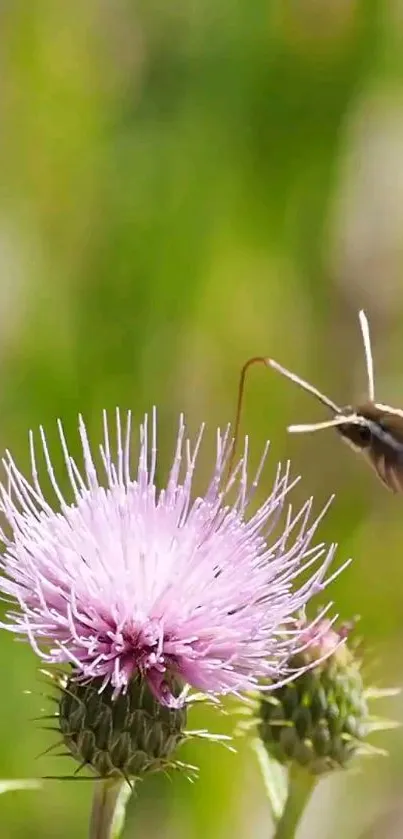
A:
(143, 590)
(322, 719)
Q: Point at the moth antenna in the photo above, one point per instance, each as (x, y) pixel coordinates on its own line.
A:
(304, 385)
(306, 428)
(257, 359)
(368, 353)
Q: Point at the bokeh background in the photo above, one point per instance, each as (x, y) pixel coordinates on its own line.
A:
(184, 185)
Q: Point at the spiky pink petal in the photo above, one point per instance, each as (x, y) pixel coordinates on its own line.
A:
(128, 578)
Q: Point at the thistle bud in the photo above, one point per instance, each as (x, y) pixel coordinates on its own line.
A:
(321, 719)
(127, 735)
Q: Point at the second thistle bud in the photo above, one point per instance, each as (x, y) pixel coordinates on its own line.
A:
(126, 735)
(320, 720)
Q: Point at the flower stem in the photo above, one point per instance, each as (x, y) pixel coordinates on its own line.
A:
(300, 788)
(108, 808)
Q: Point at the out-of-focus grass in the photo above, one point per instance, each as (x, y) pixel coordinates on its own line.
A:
(183, 186)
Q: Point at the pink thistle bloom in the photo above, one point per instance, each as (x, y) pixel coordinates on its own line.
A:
(127, 578)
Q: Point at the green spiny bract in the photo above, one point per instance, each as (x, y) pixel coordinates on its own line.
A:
(320, 720)
(128, 735)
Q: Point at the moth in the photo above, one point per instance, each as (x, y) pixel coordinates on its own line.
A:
(371, 428)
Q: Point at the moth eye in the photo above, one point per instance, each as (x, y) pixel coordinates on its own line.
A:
(364, 434)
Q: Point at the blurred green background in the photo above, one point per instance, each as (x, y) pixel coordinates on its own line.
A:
(184, 185)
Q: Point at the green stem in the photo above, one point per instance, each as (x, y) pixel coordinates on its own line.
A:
(300, 788)
(108, 808)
